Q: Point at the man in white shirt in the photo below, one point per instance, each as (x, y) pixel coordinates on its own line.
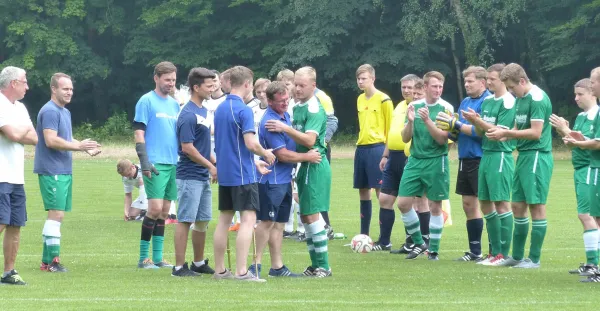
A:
(16, 130)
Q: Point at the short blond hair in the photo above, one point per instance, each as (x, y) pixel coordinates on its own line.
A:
(433, 74)
(479, 72)
(123, 165)
(365, 68)
(585, 84)
(285, 75)
(260, 82)
(595, 72)
(419, 84)
(307, 71)
(240, 75)
(514, 73)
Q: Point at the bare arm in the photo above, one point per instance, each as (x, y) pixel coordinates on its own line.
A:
(441, 137)
(407, 132)
(128, 200)
(194, 155)
(288, 156)
(25, 135)
(53, 141)
(533, 133)
(592, 144)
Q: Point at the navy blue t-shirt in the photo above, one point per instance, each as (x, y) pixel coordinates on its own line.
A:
(193, 127)
(235, 163)
(281, 171)
(51, 161)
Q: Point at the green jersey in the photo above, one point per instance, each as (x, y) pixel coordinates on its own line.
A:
(534, 106)
(584, 123)
(423, 145)
(595, 154)
(310, 117)
(501, 113)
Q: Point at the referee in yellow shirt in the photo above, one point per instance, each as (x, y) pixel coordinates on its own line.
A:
(374, 119)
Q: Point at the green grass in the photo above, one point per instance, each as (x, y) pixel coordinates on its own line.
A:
(101, 252)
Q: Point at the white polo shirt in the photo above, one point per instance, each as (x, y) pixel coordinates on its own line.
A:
(12, 155)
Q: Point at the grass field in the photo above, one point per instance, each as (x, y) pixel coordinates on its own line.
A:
(101, 253)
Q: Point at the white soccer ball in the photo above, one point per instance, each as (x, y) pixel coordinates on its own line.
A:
(361, 243)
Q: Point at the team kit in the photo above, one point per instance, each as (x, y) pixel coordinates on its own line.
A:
(267, 146)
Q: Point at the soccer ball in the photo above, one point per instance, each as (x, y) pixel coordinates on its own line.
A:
(361, 244)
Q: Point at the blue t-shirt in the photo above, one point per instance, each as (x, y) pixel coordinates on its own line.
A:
(50, 161)
(469, 146)
(193, 127)
(160, 117)
(281, 171)
(235, 163)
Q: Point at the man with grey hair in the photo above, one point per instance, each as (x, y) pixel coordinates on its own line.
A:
(16, 130)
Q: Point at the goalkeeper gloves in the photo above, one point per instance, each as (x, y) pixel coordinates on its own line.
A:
(140, 148)
(448, 122)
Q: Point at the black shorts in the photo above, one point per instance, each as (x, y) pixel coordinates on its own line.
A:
(275, 202)
(239, 198)
(467, 178)
(13, 210)
(392, 173)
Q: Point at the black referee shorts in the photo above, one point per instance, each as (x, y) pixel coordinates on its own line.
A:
(468, 176)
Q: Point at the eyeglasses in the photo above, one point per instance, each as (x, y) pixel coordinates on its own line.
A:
(24, 82)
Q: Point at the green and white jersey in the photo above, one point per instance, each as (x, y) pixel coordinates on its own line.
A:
(310, 117)
(595, 154)
(423, 146)
(584, 123)
(534, 106)
(501, 113)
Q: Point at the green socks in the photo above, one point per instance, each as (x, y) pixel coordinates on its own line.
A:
(506, 232)
(520, 237)
(590, 241)
(493, 229)
(538, 232)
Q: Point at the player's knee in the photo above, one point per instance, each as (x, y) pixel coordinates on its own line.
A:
(404, 204)
(200, 226)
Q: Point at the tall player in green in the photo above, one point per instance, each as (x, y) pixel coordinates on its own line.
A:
(584, 124)
(313, 180)
(534, 165)
(497, 165)
(426, 169)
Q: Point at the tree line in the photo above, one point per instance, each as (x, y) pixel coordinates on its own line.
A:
(110, 46)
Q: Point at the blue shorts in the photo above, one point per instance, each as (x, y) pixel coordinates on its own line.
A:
(12, 205)
(195, 200)
(275, 202)
(366, 166)
(392, 173)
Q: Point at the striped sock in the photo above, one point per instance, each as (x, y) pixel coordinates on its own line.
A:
(590, 241)
(506, 232)
(538, 232)
(436, 225)
(493, 229)
(311, 249)
(412, 225)
(520, 237)
(319, 239)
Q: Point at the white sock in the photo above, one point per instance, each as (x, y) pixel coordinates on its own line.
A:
(237, 215)
(199, 263)
(177, 268)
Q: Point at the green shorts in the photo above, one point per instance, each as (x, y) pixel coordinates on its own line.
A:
(581, 176)
(533, 172)
(496, 171)
(57, 192)
(594, 190)
(314, 187)
(162, 186)
(426, 175)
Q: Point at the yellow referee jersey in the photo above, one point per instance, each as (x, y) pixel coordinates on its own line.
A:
(374, 118)
(395, 136)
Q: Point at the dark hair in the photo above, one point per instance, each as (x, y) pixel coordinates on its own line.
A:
(216, 72)
(496, 67)
(164, 68)
(276, 87)
(198, 75)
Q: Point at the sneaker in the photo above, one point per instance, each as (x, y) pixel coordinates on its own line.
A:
(203, 269)
(249, 277)
(294, 235)
(404, 249)
(486, 261)
(509, 262)
(309, 271)
(13, 278)
(433, 256)
(234, 227)
(527, 264)
(55, 266)
(589, 270)
(380, 247)
(591, 279)
(322, 273)
(283, 271)
(301, 237)
(164, 264)
(252, 269)
(223, 276)
(147, 264)
(329, 232)
(416, 251)
(184, 271)
(578, 270)
(495, 261)
(470, 257)
(288, 234)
